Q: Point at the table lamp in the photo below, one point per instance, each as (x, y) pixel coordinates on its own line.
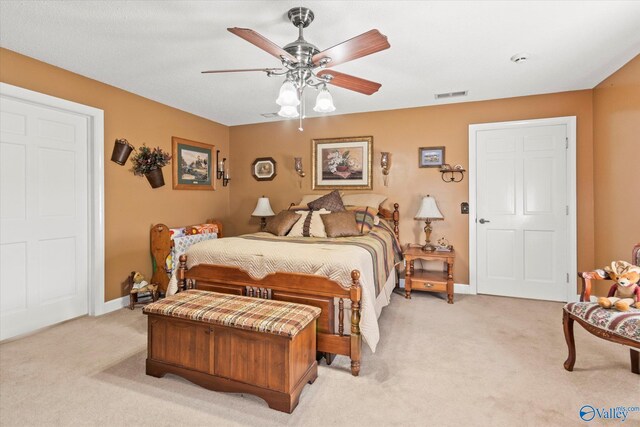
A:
(263, 210)
(428, 212)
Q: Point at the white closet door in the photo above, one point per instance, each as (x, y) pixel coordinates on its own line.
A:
(43, 216)
(522, 221)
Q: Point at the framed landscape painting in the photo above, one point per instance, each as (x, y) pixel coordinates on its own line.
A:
(342, 163)
(430, 157)
(192, 165)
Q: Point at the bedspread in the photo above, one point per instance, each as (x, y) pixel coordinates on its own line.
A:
(260, 254)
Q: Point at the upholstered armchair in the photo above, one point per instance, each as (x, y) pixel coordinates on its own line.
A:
(608, 324)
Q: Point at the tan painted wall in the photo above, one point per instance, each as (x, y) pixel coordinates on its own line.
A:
(616, 124)
(131, 205)
(401, 132)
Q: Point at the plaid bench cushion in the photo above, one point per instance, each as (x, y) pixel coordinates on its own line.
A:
(622, 323)
(253, 314)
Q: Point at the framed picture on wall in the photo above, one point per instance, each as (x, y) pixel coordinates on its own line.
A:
(263, 169)
(192, 165)
(430, 157)
(342, 163)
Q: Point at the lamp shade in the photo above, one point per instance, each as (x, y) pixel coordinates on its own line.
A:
(428, 209)
(324, 102)
(263, 208)
(288, 112)
(288, 96)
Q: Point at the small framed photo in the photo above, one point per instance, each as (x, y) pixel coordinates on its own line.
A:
(430, 157)
(192, 165)
(263, 169)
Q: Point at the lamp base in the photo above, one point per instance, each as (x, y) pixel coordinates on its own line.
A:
(428, 247)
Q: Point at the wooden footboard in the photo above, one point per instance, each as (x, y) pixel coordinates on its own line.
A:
(295, 287)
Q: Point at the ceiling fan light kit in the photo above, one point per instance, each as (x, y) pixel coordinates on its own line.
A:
(305, 65)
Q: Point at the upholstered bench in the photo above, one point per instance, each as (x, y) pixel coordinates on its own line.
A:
(609, 324)
(235, 344)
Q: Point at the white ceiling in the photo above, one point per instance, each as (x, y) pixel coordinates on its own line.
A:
(158, 48)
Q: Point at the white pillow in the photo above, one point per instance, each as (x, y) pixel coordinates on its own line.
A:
(370, 199)
(316, 227)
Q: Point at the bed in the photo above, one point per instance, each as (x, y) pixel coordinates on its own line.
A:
(349, 277)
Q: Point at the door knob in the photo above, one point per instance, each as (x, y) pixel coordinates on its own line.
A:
(482, 220)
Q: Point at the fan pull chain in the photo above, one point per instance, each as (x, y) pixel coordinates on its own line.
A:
(302, 109)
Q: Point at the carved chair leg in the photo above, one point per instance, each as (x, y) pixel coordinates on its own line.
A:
(635, 361)
(567, 323)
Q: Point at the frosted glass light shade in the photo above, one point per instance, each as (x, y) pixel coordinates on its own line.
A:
(324, 102)
(263, 208)
(288, 96)
(428, 209)
(288, 112)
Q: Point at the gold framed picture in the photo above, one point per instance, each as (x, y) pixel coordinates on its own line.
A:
(342, 163)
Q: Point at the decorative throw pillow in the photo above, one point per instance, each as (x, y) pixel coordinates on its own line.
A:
(340, 224)
(309, 225)
(282, 223)
(371, 200)
(365, 218)
(331, 202)
(201, 229)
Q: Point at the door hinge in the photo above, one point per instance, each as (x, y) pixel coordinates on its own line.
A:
(567, 277)
(566, 142)
(567, 206)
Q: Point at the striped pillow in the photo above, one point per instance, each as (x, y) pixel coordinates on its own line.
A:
(309, 225)
(366, 218)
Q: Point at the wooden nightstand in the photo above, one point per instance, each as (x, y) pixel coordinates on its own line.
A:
(427, 280)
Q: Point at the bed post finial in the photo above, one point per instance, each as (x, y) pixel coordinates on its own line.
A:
(182, 268)
(356, 338)
(396, 220)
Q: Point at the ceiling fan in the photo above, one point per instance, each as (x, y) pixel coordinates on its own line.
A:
(304, 65)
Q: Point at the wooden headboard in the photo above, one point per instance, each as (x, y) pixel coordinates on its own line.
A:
(161, 244)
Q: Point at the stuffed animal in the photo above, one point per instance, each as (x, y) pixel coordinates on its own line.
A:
(140, 285)
(625, 292)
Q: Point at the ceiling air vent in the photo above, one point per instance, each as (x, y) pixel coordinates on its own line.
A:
(269, 115)
(451, 94)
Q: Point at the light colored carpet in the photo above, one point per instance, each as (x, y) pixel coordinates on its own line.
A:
(482, 361)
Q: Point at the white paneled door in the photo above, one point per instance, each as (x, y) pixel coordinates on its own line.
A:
(43, 216)
(522, 212)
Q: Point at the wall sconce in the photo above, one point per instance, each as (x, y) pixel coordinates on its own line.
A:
(384, 164)
(220, 169)
(452, 171)
(226, 178)
(298, 167)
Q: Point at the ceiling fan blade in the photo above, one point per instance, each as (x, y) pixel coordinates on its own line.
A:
(347, 81)
(262, 42)
(241, 70)
(365, 44)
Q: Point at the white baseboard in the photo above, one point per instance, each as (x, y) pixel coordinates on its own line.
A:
(458, 288)
(113, 305)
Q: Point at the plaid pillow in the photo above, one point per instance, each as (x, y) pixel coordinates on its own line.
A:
(331, 202)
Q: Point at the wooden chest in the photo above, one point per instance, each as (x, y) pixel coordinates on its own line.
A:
(235, 344)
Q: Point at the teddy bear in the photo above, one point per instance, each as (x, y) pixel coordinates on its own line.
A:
(625, 292)
(140, 284)
(140, 288)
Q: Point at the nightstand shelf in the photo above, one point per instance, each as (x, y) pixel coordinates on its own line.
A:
(429, 280)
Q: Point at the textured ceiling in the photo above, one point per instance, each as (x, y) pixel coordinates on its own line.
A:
(158, 48)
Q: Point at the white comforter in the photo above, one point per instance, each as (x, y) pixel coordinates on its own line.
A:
(260, 258)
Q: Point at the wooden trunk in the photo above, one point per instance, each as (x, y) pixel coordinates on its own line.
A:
(272, 367)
